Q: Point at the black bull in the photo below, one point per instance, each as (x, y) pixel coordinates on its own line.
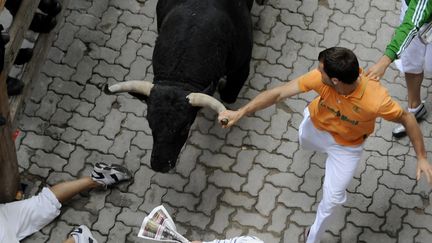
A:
(199, 42)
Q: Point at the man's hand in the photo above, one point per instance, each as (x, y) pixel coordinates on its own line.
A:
(231, 116)
(377, 71)
(423, 166)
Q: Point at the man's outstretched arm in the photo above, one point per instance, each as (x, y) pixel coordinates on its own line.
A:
(416, 137)
(263, 100)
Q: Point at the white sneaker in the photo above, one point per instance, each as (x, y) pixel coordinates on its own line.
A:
(399, 130)
(109, 174)
(82, 234)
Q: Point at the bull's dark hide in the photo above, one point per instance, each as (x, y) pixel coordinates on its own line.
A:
(199, 42)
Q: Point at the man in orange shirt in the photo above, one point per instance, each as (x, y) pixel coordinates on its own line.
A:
(337, 122)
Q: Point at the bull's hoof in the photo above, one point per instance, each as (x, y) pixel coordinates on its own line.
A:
(261, 2)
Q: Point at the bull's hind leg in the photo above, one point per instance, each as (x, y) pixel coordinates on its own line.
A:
(230, 89)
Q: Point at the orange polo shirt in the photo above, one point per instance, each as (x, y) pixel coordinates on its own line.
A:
(350, 119)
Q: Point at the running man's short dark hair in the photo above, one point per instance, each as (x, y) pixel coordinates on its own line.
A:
(340, 63)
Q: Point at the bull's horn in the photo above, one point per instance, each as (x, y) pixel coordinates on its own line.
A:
(134, 86)
(203, 100)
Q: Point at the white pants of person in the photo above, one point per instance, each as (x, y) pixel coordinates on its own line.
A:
(340, 167)
(417, 57)
(22, 218)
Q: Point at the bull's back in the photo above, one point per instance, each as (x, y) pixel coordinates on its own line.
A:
(196, 38)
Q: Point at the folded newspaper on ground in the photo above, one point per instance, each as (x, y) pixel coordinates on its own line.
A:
(426, 33)
(159, 226)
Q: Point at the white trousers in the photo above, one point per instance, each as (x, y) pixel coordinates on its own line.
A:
(417, 57)
(340, 167)
(23, 218)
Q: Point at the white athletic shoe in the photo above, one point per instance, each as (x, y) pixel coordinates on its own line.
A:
(82, 234)
(109, 174)
(399, 131)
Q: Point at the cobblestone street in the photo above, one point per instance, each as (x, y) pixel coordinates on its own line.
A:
(250, 179)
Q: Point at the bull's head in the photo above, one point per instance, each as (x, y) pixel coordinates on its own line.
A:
(170, 113)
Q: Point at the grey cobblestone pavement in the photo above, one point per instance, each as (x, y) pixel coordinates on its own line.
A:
(250, 179)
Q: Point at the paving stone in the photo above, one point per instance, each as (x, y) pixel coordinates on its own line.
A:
(118, 37)
(102, 107)
(55, 54)
(255, 180)
(220, 161)
(128, 53)
(296, 199)
(135, 123)
(227, 180)
(292, 233)
(91, 141)
(48, 106)
(302, 219)
(373, 21)
(103, 53)
(362, 219)
(132, 6)
(279, 36)
(221, 219)
(369, 181)
(279, 219)
(36, 141)
(57, 70)
(397, 181)
(313, 180)
(98, 8)
(249, 219)
(168, 180)
(359, 201)
(90, 93)
(384, 5)
(244, 161)
(205, 142)
(187, 160)
(197, 180)
(393, 223)
(122, 143)
(66, 36)
(77, 217)
(67, 88)
(64, 149)
(177, 199)
(70, 135)
(153, 198)
(109, 20)
(209, 200)
(112, 124)
(285, 179)
(84, 70)
(143, 141)
(381, 200)
(118, 233)
(408, 201)
(267, 199)
(79, 4)
(348, 20)
(92, 36)
(85, 123)
(110, 70)
(371, 236)
(120, 199)
(131, 217)
(135, 20)
(194, 219)
(132, 105)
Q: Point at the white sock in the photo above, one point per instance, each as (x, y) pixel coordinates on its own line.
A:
(414, 110)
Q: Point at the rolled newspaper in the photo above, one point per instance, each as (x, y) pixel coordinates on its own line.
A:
(159, 226)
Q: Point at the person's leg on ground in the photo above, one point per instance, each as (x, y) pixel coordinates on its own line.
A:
(340, 167)
(102, 175)
(413, 82)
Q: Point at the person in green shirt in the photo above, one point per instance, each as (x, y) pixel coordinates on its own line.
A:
(415, 55)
